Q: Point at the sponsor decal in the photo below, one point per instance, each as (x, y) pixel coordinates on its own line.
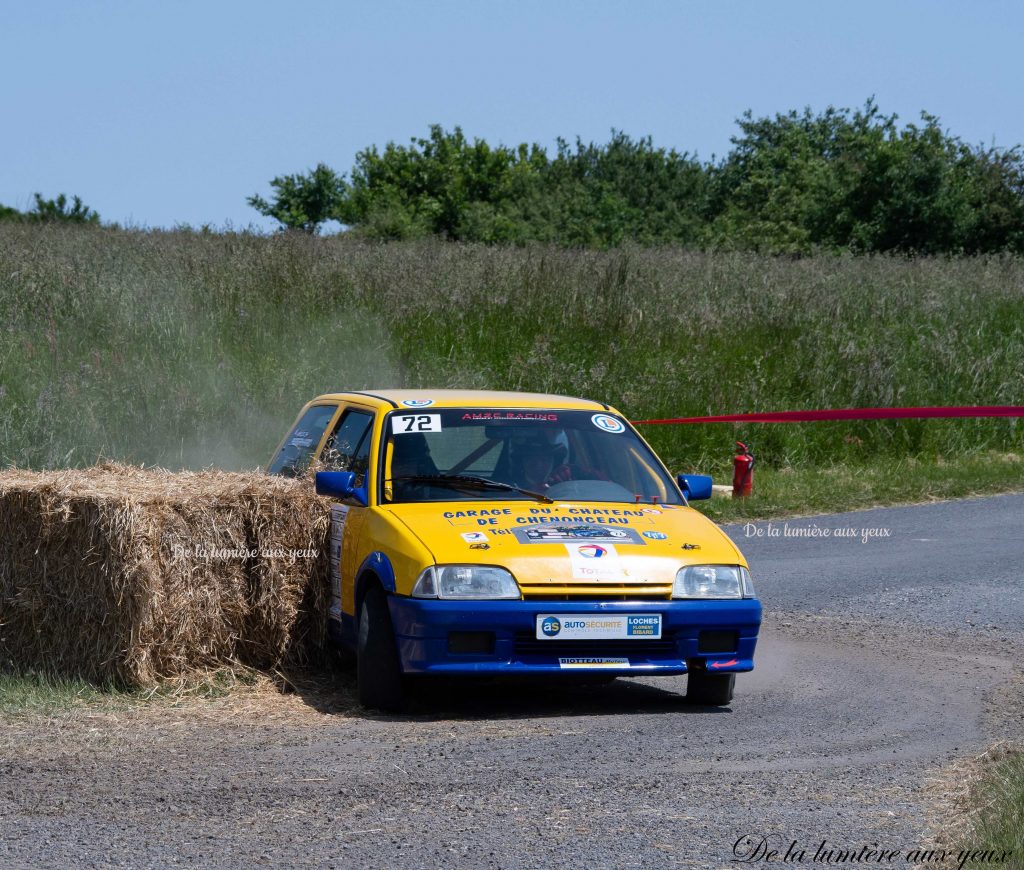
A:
(592, 551)
(301, 442)
(405, 423)
(597, 562)
(550, 626)
(474, 537)
(607, 423)
(510, 415)
(575, 530)
(643, 626)
(655, 536)
(583, 626)
(593, 662)
(339, 516)
(417, 403)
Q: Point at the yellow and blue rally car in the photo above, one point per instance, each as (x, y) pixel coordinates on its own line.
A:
(498, 533)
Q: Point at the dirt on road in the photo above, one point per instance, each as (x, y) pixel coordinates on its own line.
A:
(843, 735)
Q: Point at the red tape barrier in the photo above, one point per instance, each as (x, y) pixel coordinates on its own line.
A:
(850, 414)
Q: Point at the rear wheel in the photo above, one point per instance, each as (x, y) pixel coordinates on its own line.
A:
(714, 690)
(378, 669)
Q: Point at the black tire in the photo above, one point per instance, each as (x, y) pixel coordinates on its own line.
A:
(379, 679)
(712, 690)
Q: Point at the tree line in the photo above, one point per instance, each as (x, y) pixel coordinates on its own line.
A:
(58, 210)
(796, 182)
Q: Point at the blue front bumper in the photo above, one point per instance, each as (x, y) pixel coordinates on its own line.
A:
(423, 628)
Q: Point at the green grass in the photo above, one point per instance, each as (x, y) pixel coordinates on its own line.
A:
(885, 481)
(1000, 811)
(188, 349)
(37, 694)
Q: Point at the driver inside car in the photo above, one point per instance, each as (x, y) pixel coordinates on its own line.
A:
(538, 463)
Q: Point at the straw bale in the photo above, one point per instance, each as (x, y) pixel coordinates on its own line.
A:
(135, 576)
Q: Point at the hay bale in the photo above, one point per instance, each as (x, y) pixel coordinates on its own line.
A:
(135, 576)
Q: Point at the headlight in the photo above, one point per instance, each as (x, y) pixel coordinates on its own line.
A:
(713, 581)
(466, 581)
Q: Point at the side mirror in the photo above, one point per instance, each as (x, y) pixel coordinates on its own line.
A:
(340, 485)
(694, 486)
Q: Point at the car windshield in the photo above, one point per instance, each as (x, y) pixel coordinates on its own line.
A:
(458, 454)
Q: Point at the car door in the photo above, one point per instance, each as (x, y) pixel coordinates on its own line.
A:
(304, 441)
(347, 448)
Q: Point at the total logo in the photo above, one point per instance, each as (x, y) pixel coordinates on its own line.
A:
(551, 626)
(417, 403)
(592, 551)
(608, 424)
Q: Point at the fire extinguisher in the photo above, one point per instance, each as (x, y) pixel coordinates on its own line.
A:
(742, 472)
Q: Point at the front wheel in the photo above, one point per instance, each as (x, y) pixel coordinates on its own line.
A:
(379, 678)
(714, 690)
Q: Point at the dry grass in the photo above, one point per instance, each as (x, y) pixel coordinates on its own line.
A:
(109, 573)
(978, 804)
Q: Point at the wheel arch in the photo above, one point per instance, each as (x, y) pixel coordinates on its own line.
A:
(376, 570)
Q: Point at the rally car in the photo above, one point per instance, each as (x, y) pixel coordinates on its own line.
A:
(492, 533)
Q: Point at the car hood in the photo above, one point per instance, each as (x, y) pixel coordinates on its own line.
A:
(571, 545)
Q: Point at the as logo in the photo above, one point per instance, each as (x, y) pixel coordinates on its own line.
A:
(417, 403)
(592, 551)
(551, 626)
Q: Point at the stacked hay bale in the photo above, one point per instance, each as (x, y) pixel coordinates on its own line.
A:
(134, 576)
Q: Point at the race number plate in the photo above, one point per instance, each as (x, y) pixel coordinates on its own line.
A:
(588, 626)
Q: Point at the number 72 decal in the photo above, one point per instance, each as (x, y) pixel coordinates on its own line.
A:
(405, 423)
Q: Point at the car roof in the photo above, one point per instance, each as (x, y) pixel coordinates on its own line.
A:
(467, 399)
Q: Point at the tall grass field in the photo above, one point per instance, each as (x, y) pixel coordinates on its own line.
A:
(187, 349)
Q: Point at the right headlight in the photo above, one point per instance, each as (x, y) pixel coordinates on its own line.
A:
(713, 581)
(466, 582)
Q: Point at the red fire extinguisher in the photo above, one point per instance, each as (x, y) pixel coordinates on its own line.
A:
(742, 472)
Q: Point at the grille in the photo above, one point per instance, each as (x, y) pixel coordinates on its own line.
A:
(602, 592)
(528, 645)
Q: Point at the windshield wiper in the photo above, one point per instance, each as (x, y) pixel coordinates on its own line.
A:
(470, 482)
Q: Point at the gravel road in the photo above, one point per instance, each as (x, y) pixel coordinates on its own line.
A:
(883, 659)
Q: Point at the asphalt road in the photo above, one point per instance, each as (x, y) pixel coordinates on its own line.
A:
(882, 661)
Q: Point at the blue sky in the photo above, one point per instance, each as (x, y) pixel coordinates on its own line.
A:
(175, 112)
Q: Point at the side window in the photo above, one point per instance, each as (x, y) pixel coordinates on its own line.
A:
(348, 448)
(295, 454)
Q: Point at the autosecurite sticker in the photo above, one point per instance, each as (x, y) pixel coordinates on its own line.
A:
(417, 403)
(474, 537)
(583, 626)
(608, 424)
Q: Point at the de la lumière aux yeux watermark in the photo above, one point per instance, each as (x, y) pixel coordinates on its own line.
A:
(839, 533)
(774, 849)
(219, 554)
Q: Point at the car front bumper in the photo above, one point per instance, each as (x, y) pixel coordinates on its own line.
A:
(499, 637)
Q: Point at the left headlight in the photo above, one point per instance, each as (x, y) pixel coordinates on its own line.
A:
(713, 581)
(465, 581)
